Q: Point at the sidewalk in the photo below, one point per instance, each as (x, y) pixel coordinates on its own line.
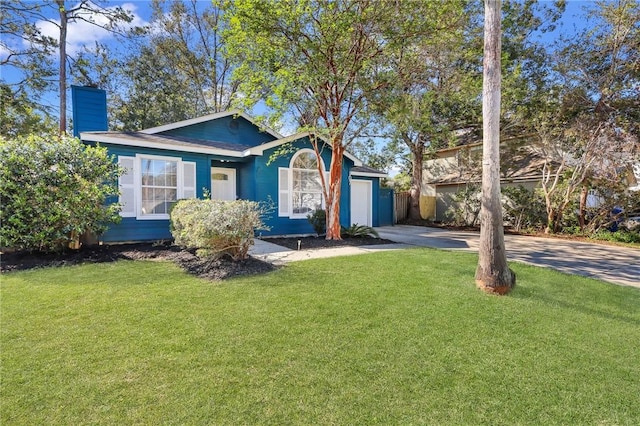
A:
(279, 255)
(619, 265)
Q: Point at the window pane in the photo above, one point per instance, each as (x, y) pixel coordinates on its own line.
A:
(306, 160)
(219, 176)
(159, 185)
(297, 180)
(306, 185)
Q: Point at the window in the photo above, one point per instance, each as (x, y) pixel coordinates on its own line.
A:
(300, 186)
(150, 184)
(159, 185)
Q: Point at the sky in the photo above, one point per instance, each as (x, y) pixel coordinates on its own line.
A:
(82, 33)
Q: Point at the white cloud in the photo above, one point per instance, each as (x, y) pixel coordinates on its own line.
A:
(81, 33)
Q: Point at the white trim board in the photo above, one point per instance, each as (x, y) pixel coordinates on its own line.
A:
(106, 138)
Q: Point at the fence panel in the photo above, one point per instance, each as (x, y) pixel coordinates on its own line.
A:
(401, 206)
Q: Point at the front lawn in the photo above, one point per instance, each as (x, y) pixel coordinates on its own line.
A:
(399, 337)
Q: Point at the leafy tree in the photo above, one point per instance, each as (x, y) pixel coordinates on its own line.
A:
(434, 83)
(54, 189)
(437, 77)
(174, 69)
(493, 274)
(588, 118)
(19, 116)
(321, 61)
(41, 71)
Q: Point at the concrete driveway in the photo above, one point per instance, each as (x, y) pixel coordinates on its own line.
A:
(619, 265)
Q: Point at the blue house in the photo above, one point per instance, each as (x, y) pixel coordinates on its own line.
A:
(230, 157)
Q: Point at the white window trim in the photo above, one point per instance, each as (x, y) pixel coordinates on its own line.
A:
(292, 215)
(138, 184)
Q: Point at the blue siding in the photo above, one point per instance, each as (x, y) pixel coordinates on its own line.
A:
(255, 181)
(225, 129)
(130, 229)
(247, 180)
(385, 207)
(267, 189)
(89, 109)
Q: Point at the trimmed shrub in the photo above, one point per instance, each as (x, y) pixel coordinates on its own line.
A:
(215, 228)
(54, 189)
(359, 231)
(318, 219)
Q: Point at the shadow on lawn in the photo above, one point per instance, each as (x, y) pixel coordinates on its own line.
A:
(546, 298)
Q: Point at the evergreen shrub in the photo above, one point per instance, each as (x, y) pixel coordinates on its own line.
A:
(52, 190)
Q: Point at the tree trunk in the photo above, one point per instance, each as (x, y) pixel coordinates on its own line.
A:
(333, 196)
(583, 207)
(416, 182)
(63, 67)
(493, 274)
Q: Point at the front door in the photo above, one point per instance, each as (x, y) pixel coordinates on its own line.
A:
(223, 184)
(361, 195)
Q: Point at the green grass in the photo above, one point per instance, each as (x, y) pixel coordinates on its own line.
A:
(390, 338)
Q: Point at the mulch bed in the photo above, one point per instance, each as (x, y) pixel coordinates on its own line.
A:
(212, 269)
(321, 242)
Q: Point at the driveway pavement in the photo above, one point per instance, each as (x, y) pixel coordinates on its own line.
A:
(619, 265)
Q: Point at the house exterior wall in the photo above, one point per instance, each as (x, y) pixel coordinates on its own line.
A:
(224, 129)
(445, 164)
(131, 229)
(267, 188)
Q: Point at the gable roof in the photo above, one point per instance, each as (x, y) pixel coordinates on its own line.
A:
(203, 146)
(209, 117)
(259, 149)
(184, 144)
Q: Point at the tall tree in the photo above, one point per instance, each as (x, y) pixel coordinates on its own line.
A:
(25, 21)
(434, 83)
(588, 119)
(316, 59)
(493, 274)
(173, 69)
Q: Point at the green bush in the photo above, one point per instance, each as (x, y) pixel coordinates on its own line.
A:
(621, 236)
(215, 227)
(53, 189)
(465, 207)
(318, 219)
(523, 209)
(359, 231)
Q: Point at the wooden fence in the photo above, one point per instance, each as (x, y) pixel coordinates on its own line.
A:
(401, 204)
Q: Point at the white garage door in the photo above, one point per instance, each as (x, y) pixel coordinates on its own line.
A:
(361, 196)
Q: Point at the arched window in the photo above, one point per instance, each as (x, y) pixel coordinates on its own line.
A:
(300, 186)
(306, 188)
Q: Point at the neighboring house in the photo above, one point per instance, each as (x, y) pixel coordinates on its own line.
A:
(456, 168)
(230, 157)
